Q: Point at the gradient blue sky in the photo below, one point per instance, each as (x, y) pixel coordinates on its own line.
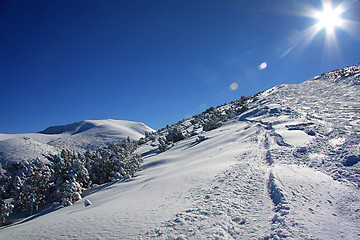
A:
(156, 61)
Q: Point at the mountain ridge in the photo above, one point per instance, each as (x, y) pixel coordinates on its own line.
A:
(84, 125)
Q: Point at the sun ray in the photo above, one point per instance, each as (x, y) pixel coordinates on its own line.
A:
(352, 28)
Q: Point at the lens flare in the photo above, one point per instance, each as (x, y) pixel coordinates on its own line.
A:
(234, 86)
(262, 66)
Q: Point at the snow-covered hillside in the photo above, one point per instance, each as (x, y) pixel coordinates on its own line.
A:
(23, 148)
(87, 134)
(285, 168)
(91, 134)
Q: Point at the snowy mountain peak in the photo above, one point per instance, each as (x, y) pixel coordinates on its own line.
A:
(73, 128)
(85, 125)
(91, 134)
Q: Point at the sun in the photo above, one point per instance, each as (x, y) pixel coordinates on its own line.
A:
(329, 21)
(329, 18)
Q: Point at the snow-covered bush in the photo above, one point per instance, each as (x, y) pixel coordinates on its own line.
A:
(211, 124)
(114, 162)
(162, 144)
(5, 211)
(174, 135)
(210, 119)
(141, 141)
(150, 137)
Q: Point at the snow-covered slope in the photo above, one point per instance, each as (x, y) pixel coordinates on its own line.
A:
(23, 148)
(87, 134)
(286, 168)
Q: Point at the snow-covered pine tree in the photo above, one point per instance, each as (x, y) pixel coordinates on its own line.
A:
(25, 186)
(128, 145)
(5, 211)
(112, 163)
(70, 177)
(5, 207)
(36, 181)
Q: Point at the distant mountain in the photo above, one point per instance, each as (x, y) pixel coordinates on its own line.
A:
(73, 128)
(91, 134)
(121, 127)
(87, 134)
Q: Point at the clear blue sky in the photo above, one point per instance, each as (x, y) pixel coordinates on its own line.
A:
(156, 61)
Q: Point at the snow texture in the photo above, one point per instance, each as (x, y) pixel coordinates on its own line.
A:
(286, 168)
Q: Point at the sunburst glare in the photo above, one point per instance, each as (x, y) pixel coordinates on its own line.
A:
(328, 19)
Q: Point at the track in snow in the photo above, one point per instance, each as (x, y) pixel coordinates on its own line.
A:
(266, 195)
(236, 205)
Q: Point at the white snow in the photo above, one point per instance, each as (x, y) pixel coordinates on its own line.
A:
(88, 134)
(295, 138)
(315, 206)
(124, 209)
(277, 171)
(91, 134)
(24, 148)
(337, 141)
